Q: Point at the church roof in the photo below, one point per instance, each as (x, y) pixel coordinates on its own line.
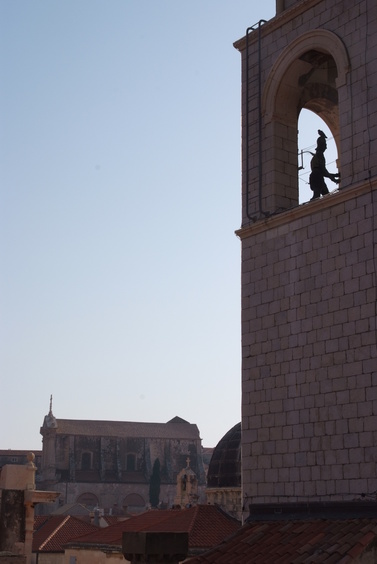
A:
(177, 419)
(171, 430)
(207, 526)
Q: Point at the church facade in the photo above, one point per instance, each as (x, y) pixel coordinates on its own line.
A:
(108, 464)
(309, 351)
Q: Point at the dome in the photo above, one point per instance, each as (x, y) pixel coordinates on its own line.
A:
(224, 470)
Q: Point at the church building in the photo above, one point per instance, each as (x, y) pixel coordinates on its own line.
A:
(108, 464)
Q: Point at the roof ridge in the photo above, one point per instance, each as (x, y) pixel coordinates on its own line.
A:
(54, 532)
(122, 421)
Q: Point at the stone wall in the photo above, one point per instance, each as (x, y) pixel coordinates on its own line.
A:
(12, 519)
(109, 495)
(93, 557)
(228, 499)
(50, 558)
(8, 558)
(309, 351)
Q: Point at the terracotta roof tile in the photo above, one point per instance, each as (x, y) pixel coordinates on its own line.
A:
(295, 542)
(39, 520)
(112, 519)
(57, 530)
(207, 526)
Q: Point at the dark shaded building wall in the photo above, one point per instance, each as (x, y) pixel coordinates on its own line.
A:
(12, 519)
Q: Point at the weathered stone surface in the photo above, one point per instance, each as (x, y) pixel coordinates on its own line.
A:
(9, 558)
(12, 519)
(109, 463)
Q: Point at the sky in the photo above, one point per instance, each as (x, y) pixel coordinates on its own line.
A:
(120, 185)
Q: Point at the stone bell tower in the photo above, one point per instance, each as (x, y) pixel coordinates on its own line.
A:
(187, 487)
(309, 360)
(48, 432)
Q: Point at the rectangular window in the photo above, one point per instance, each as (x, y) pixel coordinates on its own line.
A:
(131, 462)
(86, 461)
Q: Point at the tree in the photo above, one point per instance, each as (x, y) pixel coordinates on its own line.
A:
(154, 484)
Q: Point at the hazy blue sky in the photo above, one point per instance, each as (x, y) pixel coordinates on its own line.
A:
(120, 195)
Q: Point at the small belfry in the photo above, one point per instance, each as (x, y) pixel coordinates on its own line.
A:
(48, 432)
(187, 487)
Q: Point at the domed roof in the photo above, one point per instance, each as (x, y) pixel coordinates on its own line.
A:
(224, 470)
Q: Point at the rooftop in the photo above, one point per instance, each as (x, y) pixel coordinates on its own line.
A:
(294, 542)
(15, 452)
(175, 429)
(51, 533)
(207, 526)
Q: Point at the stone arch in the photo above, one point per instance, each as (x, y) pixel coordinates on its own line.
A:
(134, 503)
(315, 40)
(310, 73)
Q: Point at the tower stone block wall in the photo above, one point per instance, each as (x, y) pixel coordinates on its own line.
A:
(309, 351)
(309, 358)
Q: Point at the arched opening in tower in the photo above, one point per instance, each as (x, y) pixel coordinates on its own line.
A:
(317, 110)
(308, 125)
